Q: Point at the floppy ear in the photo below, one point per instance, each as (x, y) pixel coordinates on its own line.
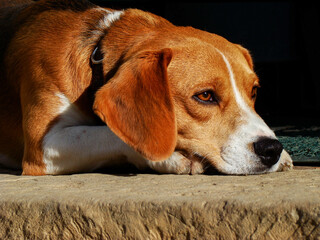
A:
(246, 54)
(137, 106)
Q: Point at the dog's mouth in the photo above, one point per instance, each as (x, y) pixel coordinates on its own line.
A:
(210, 166)
(206, 163)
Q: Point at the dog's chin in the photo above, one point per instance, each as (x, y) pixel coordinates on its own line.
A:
(248, 170)
(284, 164)
(218, 165)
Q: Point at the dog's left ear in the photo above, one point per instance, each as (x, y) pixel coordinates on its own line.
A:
(137, 106)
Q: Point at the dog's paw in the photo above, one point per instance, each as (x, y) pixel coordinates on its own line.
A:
(177, 164)
(286, 163)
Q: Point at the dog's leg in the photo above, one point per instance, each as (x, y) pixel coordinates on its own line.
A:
(83, 148)
(60, 140)
(177, 164)
(38, 115)
(72, 145)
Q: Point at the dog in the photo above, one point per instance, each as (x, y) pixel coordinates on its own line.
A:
(85, 87)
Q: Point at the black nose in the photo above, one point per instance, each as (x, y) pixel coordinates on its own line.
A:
(268, 150)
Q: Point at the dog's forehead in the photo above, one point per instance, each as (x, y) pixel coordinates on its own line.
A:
(205, 62)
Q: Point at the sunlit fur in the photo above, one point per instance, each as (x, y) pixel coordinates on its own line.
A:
(148, 113)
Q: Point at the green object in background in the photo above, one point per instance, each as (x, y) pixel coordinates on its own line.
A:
(301, 146)
(300, 138)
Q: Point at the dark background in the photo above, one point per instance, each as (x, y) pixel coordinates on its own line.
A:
(282, 36)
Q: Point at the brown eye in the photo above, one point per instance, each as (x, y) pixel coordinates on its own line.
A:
(206, 97)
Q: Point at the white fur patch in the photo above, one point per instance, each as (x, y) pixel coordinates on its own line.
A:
(74, 144)
(105, 22)
(238, 152)
(109, 18)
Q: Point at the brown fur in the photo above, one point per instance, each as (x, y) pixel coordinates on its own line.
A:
(199, 127)
(41, 52)
(140, 123)
(153, 67)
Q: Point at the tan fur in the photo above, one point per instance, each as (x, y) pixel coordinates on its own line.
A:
(153, 69)
(140, 123)
(44, 51)
(199, 127)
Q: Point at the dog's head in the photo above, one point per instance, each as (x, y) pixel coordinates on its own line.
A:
(182, 89)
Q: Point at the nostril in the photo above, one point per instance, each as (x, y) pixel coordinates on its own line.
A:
(268, 150)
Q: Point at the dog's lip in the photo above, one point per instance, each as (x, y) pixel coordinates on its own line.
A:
(258, 168)
(208, 167)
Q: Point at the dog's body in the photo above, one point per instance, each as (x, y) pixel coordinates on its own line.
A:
(172, 97)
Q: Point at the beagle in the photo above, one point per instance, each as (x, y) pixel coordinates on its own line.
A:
(85, 87)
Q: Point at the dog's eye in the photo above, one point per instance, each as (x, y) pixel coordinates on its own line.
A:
(206, 97)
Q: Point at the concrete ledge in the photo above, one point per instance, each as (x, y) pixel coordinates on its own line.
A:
(146, 206)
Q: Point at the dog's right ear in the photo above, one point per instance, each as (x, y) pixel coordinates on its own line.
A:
(137, 106)
(246, 54)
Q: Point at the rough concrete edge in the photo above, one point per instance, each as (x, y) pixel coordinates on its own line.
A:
(149, 220)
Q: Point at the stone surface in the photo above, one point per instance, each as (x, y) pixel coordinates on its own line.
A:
(283, 205)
